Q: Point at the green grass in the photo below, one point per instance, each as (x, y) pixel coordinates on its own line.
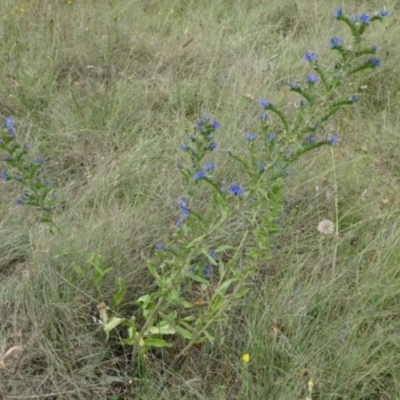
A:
(106, 91)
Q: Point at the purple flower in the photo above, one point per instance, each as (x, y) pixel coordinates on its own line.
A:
(365, 19)
(265, 104)
(250, 137)
(236, 190)
(209, 167)
(215, 125)
(354, 18)
(182, 203)
(271, 137)
(206, 117)
(339, 12)
(212, 146)
(179, 223)
(312, 79)
(336, 42)
(199, 124)
(160, 246)
(310, 139)
(184, 147)
(207, 270)
(263, 116)
(383, 13)
(333, 139)
(310, 56)
(198, 175)
(19, 201)
(213, 255)
(10, 126)
(354, 98)
(375, 62)
(4, 176)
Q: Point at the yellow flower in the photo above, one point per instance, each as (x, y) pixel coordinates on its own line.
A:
(141, 342)
(21, 9)
(246, 357)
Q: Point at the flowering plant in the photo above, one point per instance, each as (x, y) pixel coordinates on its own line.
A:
(203, 270)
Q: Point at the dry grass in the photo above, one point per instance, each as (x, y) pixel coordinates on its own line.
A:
(106, 91)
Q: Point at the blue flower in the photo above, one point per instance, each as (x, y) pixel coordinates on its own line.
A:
(209, 167)
(160, 246)
(383, 13)
(185, 212)
(182, 203)
(236, 190)
(199, 124)
(263, 116)
(271, 137)
(354, 98)
(10, 126)
(333, 139)
(354, 18)
(215, 125)
(19, 201)
(365, 18)
(336, 42)
(206, 117)
(213, 255)
(212, 146)
(207, 270)
(310, 56)
(184, 147)
(4, 176)
(265, 104)
(179, 223)
(339, 12)
(375, 62)
(374, 48)
(250, 137)
(312, 79)
(310, 139)
(40, 161)
(198, 175)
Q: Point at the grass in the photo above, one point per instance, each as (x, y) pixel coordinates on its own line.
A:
(106, 91)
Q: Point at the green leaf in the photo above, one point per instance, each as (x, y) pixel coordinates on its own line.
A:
(184, 332)
(210, 338)
(152, 268)
(155, 342)
(223, 248)
(240, 294)
(119, 296)
(77, 269)
(111, 324)
(161, 330)
(218, 303)
(224, 286)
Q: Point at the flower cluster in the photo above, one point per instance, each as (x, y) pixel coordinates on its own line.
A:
(24, 172)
